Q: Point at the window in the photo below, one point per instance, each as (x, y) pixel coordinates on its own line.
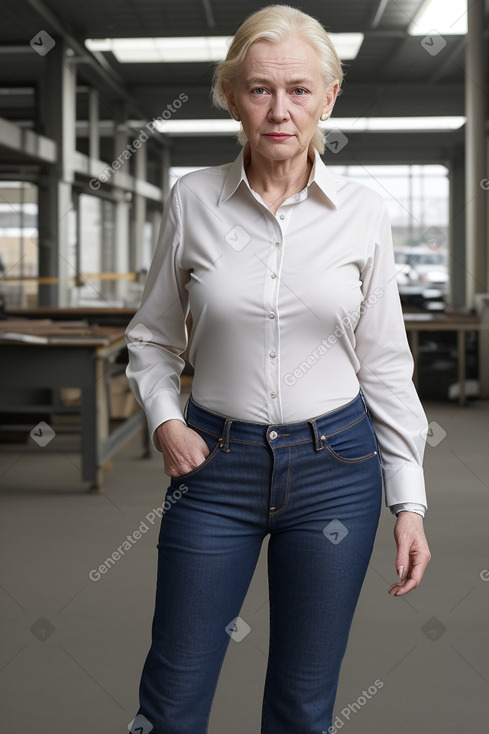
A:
(18, 244)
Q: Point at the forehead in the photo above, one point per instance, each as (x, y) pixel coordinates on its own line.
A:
(291, 55)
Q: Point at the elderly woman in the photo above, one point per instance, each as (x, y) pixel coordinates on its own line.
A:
(302, 406)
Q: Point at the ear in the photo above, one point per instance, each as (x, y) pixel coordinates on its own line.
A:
(331, 96)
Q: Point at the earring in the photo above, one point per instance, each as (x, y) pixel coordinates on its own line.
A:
(324, 117)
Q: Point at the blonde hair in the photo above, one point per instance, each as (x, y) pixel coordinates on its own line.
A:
(276, 23)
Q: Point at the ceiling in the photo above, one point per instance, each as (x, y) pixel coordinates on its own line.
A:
(393, 75)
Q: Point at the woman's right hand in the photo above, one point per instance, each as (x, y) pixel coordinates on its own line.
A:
(183, 449)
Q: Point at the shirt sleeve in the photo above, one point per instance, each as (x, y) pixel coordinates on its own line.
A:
(157, 335)
(385, 373)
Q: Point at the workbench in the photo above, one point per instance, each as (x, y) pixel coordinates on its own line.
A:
(98, 316)
(458, 323)
(56, 355)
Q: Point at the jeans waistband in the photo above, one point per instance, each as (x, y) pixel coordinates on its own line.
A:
(315, 429)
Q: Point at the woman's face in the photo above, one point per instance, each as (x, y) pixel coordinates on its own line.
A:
(280, 95)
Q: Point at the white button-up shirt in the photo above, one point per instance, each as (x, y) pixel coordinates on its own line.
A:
(292, 313)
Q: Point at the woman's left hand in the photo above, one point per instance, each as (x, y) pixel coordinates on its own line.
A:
(413, 554)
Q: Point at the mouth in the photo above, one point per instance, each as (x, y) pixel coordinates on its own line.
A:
(277, 136)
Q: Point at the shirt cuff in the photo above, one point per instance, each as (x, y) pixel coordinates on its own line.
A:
(162, 406)
(410, 507)
(404, 483)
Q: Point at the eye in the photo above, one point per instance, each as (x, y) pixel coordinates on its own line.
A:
(259, 91)
(300, 92)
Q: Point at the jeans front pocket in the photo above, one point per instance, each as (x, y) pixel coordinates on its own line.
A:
(213, 444)
(355, 442)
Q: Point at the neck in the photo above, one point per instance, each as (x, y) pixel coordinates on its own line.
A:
(277, 180)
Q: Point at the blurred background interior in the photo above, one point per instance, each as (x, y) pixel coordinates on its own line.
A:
(103, 105)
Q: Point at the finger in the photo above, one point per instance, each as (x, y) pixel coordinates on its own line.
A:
(404, 544)
(404, 587)
(402, 560)
(417, 570)
(411, 581)
(411, 555)
(401, 568)
(183, 465)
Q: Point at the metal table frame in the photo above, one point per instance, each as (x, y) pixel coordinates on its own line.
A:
(460, 324)
(87, 366)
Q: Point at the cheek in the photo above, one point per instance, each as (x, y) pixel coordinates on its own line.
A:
(251, 106)
(308, 109)
(253, 116)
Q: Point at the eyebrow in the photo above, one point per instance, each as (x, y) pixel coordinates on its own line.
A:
(297, 81)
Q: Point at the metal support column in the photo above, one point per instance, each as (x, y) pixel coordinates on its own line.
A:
(456, 236)
(122, 228)
(93, 124)
(165, 172)
(475, 153)
(56, 261)
(140, 173)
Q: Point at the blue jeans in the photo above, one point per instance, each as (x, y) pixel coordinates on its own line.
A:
(316, 488)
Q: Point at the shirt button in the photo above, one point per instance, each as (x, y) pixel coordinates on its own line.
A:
(273, 275)
(277, 244)
(273, 435)
(272, 355)
(271, 315)
(273, 394)
(282, 216)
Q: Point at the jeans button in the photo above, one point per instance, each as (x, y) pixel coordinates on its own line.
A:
(273, 435)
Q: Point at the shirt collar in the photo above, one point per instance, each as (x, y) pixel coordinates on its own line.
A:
(320, 175)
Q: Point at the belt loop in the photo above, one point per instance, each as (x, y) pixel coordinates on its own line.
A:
(225, 435)
(318, 440)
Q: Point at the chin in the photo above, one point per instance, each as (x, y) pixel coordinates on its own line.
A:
(287, 148)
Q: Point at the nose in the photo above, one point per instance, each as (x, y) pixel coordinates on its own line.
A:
(278, 111)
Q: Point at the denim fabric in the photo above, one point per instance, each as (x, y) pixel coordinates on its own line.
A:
(316, 488)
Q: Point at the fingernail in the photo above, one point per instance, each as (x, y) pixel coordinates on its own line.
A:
(400, 571)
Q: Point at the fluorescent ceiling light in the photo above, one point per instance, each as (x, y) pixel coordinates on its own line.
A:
(446, 17)
(195, 48)
(347, 45)
(198, 127)
(383, 124)
(163, 50)
(345, 124)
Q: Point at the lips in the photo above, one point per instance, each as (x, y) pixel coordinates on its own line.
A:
(277, 135)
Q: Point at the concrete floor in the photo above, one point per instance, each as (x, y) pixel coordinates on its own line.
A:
(72, 656)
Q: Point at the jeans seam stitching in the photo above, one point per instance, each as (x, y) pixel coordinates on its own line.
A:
(350, 461)
(334, 433)
(287, 494)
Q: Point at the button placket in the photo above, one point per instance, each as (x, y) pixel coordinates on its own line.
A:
(283, 215)
(272, 325)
